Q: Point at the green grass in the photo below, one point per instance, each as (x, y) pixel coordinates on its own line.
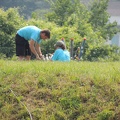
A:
(59, 91)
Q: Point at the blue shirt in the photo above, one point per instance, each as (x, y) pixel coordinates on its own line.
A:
(30, 32)
(61, 55)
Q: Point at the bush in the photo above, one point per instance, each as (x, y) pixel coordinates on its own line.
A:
(105, 52)
(10, 22)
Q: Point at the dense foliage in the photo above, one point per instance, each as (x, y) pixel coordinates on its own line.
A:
(67, 19)
(9, 23)
(99, 19)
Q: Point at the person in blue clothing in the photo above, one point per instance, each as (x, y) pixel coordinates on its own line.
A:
(28, 40)
(60, 54)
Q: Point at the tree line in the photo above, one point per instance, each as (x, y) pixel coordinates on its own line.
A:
(26, 7)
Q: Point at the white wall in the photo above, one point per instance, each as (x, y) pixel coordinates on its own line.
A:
(116, 40)
(115, 18)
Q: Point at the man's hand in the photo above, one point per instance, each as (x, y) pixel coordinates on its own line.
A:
(42, 56)
(38, 58)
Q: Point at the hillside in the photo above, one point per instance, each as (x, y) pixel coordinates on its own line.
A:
(26, 7)
(59, 91)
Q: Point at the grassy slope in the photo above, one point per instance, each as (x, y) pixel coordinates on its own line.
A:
(59, 91)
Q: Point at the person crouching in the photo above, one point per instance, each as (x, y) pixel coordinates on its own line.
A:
(61, 53)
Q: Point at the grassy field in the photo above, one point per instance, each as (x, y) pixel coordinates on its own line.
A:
(59, 91)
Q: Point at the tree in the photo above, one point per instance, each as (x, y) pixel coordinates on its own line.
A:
(99, 19)
(9, 21)
(61, 10)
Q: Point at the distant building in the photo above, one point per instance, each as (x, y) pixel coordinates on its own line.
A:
(114, 11)
(116, 40)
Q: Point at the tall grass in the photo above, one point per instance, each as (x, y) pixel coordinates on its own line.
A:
(59, 91)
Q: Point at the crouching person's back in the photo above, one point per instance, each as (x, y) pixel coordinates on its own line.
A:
(61, 54)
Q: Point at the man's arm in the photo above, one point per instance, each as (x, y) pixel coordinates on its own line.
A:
(33, 50)
(38, 49)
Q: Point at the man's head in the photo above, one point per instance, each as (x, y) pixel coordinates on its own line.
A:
(45, 34)
(60, 44)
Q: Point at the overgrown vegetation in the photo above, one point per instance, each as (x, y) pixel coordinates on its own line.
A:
(10, 21)
(72, 91)
(76, 27)
(47, 90)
